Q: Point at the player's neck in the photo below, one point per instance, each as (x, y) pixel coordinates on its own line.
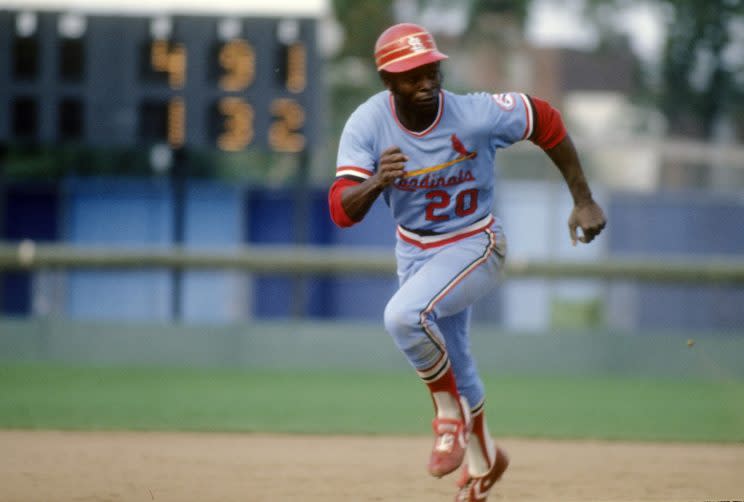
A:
(416, 118)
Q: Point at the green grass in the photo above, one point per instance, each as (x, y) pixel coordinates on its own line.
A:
(52, 397)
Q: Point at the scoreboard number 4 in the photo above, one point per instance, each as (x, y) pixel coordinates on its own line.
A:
(170, 59)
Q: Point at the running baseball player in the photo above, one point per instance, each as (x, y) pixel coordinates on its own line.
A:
(430, 154)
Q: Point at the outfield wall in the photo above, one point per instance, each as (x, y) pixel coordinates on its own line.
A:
(365, 347)
(132, 213)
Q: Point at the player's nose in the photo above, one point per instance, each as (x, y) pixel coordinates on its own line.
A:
(426, 83)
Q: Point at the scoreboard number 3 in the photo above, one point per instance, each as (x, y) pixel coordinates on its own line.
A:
(237, 124)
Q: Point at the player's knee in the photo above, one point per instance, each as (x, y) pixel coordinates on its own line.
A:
(400, 321)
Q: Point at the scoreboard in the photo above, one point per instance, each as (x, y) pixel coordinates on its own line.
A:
(223, 82)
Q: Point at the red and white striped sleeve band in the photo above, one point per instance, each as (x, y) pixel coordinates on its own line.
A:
(346, 176)
(353, 172)
(529, 118)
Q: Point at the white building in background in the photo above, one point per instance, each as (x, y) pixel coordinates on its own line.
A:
(605, 124)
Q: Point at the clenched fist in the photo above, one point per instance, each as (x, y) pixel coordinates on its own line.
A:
(590, 218)
(392, 166)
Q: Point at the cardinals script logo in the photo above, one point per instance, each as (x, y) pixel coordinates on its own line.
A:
(426, 181)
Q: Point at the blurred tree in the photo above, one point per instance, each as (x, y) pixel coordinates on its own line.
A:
(700, 79)
(514, 8)
(499, 23)
(362, 21)
(351, 75)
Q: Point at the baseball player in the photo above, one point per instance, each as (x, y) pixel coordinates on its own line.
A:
(430, 154)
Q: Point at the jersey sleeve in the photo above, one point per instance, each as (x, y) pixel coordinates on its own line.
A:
(512, 118)
(518, 117)
(356, 160)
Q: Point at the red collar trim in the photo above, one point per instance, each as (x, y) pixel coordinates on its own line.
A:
(428, 129)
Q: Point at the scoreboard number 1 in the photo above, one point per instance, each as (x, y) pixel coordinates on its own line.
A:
(176, 122)
(296, 68)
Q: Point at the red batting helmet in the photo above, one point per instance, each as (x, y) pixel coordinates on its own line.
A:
(405, 46)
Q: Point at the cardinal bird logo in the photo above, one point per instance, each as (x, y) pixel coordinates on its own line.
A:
(460, 148)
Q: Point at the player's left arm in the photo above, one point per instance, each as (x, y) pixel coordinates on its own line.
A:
(550, 134)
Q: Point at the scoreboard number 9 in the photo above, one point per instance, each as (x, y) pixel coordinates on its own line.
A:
(238, 60)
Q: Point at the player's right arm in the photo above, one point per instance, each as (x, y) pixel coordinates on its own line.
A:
(362, 172)
(350, 201)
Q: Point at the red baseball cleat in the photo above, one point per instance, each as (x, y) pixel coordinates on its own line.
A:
(476, 489)
(450, 444)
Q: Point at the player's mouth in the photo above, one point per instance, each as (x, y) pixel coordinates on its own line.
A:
(427, 100)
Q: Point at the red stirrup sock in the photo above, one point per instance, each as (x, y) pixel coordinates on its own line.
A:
(441, 382)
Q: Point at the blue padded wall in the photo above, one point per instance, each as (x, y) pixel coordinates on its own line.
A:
(213, 220)
(121, 213)
(365, 297)
(273, 217)
(31, 212)
(681, 224)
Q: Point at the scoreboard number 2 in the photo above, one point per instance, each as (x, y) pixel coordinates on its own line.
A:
(284, 135)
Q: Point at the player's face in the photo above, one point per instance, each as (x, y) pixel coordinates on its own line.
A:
(417, 88)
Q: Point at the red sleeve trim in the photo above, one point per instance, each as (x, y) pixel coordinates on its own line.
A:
(338, 213)
(549, 129)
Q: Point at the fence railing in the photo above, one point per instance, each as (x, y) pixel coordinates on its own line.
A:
(318, 260)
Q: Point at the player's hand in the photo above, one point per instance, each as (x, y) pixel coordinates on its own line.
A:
(391, 167)
(590, 218)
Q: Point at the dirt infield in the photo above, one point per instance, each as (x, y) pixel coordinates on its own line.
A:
(129, 466)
